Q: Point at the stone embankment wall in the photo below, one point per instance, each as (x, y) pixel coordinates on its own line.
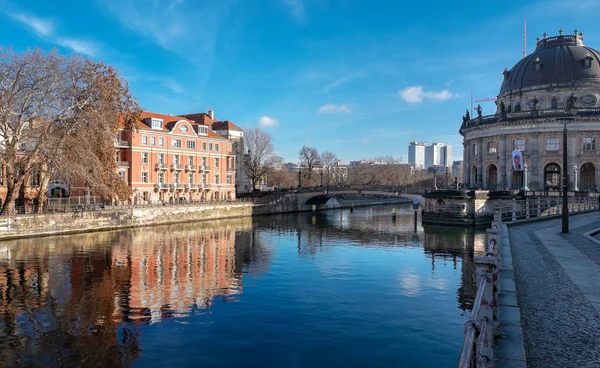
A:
(22, 226)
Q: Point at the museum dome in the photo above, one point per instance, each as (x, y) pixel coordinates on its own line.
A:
(560, 61)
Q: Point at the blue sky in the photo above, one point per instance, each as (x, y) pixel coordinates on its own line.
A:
(358, 78)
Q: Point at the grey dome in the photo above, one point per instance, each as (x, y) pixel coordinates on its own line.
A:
(561, 61)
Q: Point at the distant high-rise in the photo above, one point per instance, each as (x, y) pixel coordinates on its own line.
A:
(438, 154)
(416, 154)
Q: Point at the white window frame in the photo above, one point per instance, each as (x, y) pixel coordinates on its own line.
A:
(161, 141)
(176, 143)
(144, 176)
(145, 140)
(190, 144)
(153, 141)
(144, 157)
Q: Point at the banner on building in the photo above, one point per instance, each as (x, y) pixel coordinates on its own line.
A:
(517, 160)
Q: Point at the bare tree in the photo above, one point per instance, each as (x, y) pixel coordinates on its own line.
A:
(261, 157)
(60, 113)
(330, 167)
(309, 159)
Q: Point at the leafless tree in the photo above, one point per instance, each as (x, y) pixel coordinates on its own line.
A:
(59, 114)
(261, 157)
(309, 159)
(330, 167)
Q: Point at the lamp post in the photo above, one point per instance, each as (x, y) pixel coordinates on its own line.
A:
(321, 177)
(575, 178)
(435, 178)
(565, 179)
(525, 181)
(299, 178)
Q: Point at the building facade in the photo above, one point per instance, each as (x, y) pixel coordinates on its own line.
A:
(520, 146)
(416, 154)
(438, 155)
(171, 158)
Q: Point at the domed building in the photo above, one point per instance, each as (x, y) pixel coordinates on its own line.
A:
(520, 145)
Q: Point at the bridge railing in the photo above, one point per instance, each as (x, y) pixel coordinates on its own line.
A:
(539, 207)
(484, 320)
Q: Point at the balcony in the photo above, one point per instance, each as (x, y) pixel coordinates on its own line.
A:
(161, 166)
(231, 169)
(183, 186)
(121, 143)
(123, 164)
(190, 168)
(193, 186)
(176, 167)
(205, 168)
(161, 186)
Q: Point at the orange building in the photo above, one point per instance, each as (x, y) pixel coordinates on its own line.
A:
(172, 158)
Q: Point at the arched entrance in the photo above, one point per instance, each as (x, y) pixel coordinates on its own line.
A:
(552, 177)
(588, 177)
(474, 177)
(492, 179)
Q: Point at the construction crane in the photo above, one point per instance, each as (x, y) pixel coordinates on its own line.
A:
(484, 99)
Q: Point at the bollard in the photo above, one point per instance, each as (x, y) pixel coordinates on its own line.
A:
(314, 207)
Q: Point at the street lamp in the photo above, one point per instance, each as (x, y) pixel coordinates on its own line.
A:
(299, 178)
(525, 181)
(321, 177)
(565, 179)
(575, 178)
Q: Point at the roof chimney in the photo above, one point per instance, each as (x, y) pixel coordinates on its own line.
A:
(211, 113)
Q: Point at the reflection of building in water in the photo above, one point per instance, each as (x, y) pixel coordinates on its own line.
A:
(458, 245)
(173, 273)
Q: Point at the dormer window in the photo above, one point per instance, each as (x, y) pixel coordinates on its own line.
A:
(587, 61)
(157, 123)
(506, 73)
(203, 130)
(538, 64)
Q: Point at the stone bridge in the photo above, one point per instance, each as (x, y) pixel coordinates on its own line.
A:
(305, 198)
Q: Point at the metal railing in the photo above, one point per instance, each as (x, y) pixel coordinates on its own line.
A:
(540, 207)
(484, 320)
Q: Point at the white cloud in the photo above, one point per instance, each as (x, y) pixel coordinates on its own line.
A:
(416, 94)
(42, 27)
(334, 109)
(268, 122)
(297, 9)
(338, 82)
(79, 46)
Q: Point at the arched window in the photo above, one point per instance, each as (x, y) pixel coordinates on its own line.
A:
(588, 177)
(492, 177)
(552, 177)
(474, 177)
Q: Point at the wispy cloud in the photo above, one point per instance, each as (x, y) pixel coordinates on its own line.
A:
(340, 81)
(416, 94)
(334, 109)
(268, 122)
(45, 29)
(41, 27)
(297, 9)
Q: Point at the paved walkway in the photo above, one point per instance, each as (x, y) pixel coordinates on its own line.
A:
(557, 279)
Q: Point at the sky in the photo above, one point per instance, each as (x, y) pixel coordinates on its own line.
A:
(358, 78)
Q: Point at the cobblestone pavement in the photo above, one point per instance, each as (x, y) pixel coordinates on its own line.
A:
(558, 288)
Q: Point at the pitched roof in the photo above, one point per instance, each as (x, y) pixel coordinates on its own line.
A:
(169, 122)
(226, 124)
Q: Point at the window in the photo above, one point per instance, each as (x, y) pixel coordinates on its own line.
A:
(202, 130)
(587, 62)
(144, 176)
(492, 147)
(475, 149)
(589, 144)
(161, 158)
(177, 143)
(145, 140)
(153, 141)
(175, 178)
(228, 179)
(204, 146)
(210, 146)
(176, 160)
(216, 162)
(554, 103)
(190, 160)
(161, 177)
(157, 123)
(190, 144)
(552, 144)
(145, 196)
(217, 147)
(217, 179)
(519, 144)
(203, 178)
(161, 141)
(144, 157)
(190, 178)
(122, 175)
(204, 161)
(518, 107)
(34, 179)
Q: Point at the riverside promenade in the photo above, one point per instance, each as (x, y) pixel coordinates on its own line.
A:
(557, 279)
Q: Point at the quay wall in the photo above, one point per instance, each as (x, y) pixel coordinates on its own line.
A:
(59, 223)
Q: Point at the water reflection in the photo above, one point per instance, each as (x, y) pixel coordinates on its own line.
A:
(87, 300)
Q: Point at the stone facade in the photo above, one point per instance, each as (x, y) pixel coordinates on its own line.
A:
(538, 95)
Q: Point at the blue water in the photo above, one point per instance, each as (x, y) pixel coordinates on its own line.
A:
(329, 289)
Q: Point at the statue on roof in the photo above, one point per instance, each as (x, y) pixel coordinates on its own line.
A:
(571, 101)
(478, 108)
(466, 117)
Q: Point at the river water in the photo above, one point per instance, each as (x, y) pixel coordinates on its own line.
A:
(327, 289)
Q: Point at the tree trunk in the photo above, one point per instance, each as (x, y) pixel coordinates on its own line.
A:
(42, 194)
(12, 192)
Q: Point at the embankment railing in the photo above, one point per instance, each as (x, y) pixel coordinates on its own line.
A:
(484, 320)
(539, 207)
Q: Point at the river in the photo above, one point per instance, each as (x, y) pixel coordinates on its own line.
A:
(335, 288)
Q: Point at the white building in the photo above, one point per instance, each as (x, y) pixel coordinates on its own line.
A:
(438, 154)
(416, 154)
